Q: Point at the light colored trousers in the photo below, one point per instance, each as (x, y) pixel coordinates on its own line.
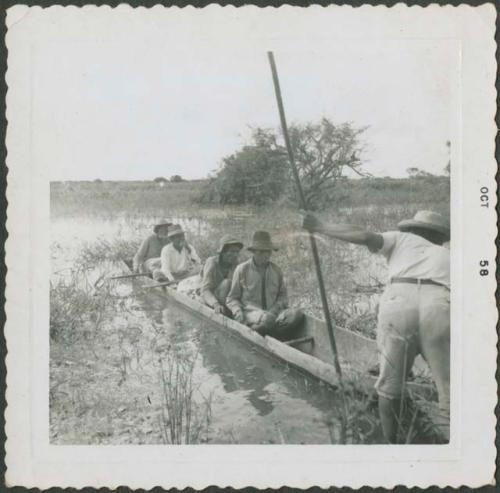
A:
(414, 319)
(151, 264)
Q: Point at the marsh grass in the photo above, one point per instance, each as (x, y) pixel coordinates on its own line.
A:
(93, 324)
(413, 423)
(138, 198)
(185, 412)
(92, 254)
(354, 277)
(77, 309)
(142, 198)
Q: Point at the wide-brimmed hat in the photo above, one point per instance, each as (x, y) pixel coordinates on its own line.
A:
(175, 230)
(427, 220)
(261, 240)
(228, 240)
(160, 224)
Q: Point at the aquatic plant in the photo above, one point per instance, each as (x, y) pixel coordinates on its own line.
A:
(77, 307)
(92, 254)
(185, 412)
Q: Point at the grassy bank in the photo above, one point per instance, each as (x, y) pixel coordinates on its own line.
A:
(135, 198)
(147, 197)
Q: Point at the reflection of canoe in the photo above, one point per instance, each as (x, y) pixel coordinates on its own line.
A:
(310, 349)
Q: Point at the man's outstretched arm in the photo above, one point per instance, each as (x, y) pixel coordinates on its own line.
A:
(344, 232)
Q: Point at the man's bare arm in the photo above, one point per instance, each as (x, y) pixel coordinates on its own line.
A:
(344, 232)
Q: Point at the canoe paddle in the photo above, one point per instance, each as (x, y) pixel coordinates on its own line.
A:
(314, 248)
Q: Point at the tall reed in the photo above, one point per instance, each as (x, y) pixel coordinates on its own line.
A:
(183, 417)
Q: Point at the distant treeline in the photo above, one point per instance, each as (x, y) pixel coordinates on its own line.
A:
(128, 196)
(373, 192)
(393, 191)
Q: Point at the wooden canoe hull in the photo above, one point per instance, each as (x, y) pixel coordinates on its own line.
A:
(358, 354)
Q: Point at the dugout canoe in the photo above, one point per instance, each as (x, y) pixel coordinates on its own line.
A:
(309, 349)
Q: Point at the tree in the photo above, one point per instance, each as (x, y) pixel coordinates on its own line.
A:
(323, 153)
(254, 175)
(160, 179)
(176, 178)
(260, 172)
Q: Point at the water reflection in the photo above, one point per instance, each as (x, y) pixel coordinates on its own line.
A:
(238, 372)
(256, 398)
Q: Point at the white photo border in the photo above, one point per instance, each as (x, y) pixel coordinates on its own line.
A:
(469, 459)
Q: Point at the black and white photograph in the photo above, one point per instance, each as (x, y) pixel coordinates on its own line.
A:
(189, 186)
(251, 228)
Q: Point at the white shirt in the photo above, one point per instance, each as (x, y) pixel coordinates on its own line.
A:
(410, 255)
(173, 261)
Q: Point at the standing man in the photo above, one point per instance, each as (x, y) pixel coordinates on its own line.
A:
(414, 313)
(178, 259)
(218, 273)
(147, 258)
(258, 295)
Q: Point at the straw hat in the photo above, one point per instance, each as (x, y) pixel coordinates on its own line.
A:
(427, 220)
(262, 241)
(160, 224)
(228, 240)
(175, 230)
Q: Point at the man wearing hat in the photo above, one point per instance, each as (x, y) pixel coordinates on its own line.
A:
(414, 312)
(258, 295)
(178, 259)
(218, 273)
(147, 258)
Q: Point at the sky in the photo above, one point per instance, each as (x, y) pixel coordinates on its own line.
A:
(123, 98)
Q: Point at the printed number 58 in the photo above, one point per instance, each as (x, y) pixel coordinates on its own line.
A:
(483, 272)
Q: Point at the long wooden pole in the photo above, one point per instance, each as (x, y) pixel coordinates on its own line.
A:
(312, 239)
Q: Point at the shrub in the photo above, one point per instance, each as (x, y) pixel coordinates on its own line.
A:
(260, 172)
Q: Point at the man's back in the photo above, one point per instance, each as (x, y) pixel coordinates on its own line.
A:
(410, 255)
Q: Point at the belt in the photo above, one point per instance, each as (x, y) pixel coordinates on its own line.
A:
(412, 280)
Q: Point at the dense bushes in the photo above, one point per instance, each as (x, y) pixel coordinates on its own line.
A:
(260, 172)
(254, 175)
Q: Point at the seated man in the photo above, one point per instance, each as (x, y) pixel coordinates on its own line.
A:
(258, 294)
(178, 259)
(147, 258)
(218, 273)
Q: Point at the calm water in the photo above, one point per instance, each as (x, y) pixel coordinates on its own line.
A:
(255, 397)
(69, 234)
